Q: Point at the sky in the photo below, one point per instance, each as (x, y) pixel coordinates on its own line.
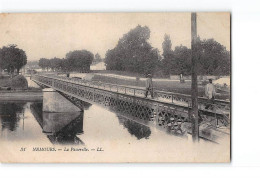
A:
(48, 35)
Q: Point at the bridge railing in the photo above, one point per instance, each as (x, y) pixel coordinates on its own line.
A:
(162, 96)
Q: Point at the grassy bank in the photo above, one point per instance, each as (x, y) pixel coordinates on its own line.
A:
(124, 73)
(170, 86)
(17, 82)
(20, 95)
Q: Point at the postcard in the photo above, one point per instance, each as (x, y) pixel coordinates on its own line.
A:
(115, 87)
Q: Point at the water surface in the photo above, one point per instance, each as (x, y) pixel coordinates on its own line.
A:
(26, 121)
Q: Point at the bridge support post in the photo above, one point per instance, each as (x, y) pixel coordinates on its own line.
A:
(55, 102)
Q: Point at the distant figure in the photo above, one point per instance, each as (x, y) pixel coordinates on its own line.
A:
(149, 85)
(210, 92)
(68, 75)
(181, 78)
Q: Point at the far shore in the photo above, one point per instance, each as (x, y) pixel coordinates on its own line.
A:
(20, 95)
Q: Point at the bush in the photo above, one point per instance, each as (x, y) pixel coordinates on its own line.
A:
(18, 82)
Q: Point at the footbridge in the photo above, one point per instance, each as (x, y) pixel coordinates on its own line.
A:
(169, 111)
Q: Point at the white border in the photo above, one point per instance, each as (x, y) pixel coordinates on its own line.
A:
(245, 88)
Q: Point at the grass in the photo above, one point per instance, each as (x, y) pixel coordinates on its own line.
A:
(172, 86)
(124, 73)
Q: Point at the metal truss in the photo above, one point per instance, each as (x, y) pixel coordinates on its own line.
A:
(169, 114)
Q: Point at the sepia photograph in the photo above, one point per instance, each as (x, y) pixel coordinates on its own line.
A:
(151, 87)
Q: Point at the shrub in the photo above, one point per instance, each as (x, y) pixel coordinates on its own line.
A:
(19, 82)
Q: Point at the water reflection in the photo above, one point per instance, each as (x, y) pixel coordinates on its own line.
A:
(67, 128)
(63, 129)
(10, 114)
(60, 128)
(138, 130)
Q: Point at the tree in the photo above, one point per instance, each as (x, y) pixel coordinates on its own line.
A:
(97, 59)
(44, 63)
(175, 62)
(213, 58)
(55, 64)
(12, 58)
(80, 60)
(65, 66)
(41, 63)
(182, 61)
(168, 57)
(113, 60)
(167, 45)
(133, 53)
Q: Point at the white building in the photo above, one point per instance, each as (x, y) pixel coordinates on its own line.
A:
(98, 66)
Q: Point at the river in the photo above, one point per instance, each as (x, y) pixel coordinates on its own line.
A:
(26, 121)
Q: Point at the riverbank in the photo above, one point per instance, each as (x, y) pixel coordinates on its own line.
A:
(160, 84)
(17, 82)
(20, 95)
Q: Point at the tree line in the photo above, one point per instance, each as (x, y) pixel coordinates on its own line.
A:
(12, 58)
(78, 60)
(134, 53)
(211, 56)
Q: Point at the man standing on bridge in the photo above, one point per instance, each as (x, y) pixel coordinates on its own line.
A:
(210, 93)
(149, 85)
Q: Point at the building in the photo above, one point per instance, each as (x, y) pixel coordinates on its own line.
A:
(98, 66)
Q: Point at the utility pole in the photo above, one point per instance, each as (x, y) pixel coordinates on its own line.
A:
(194, 86)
